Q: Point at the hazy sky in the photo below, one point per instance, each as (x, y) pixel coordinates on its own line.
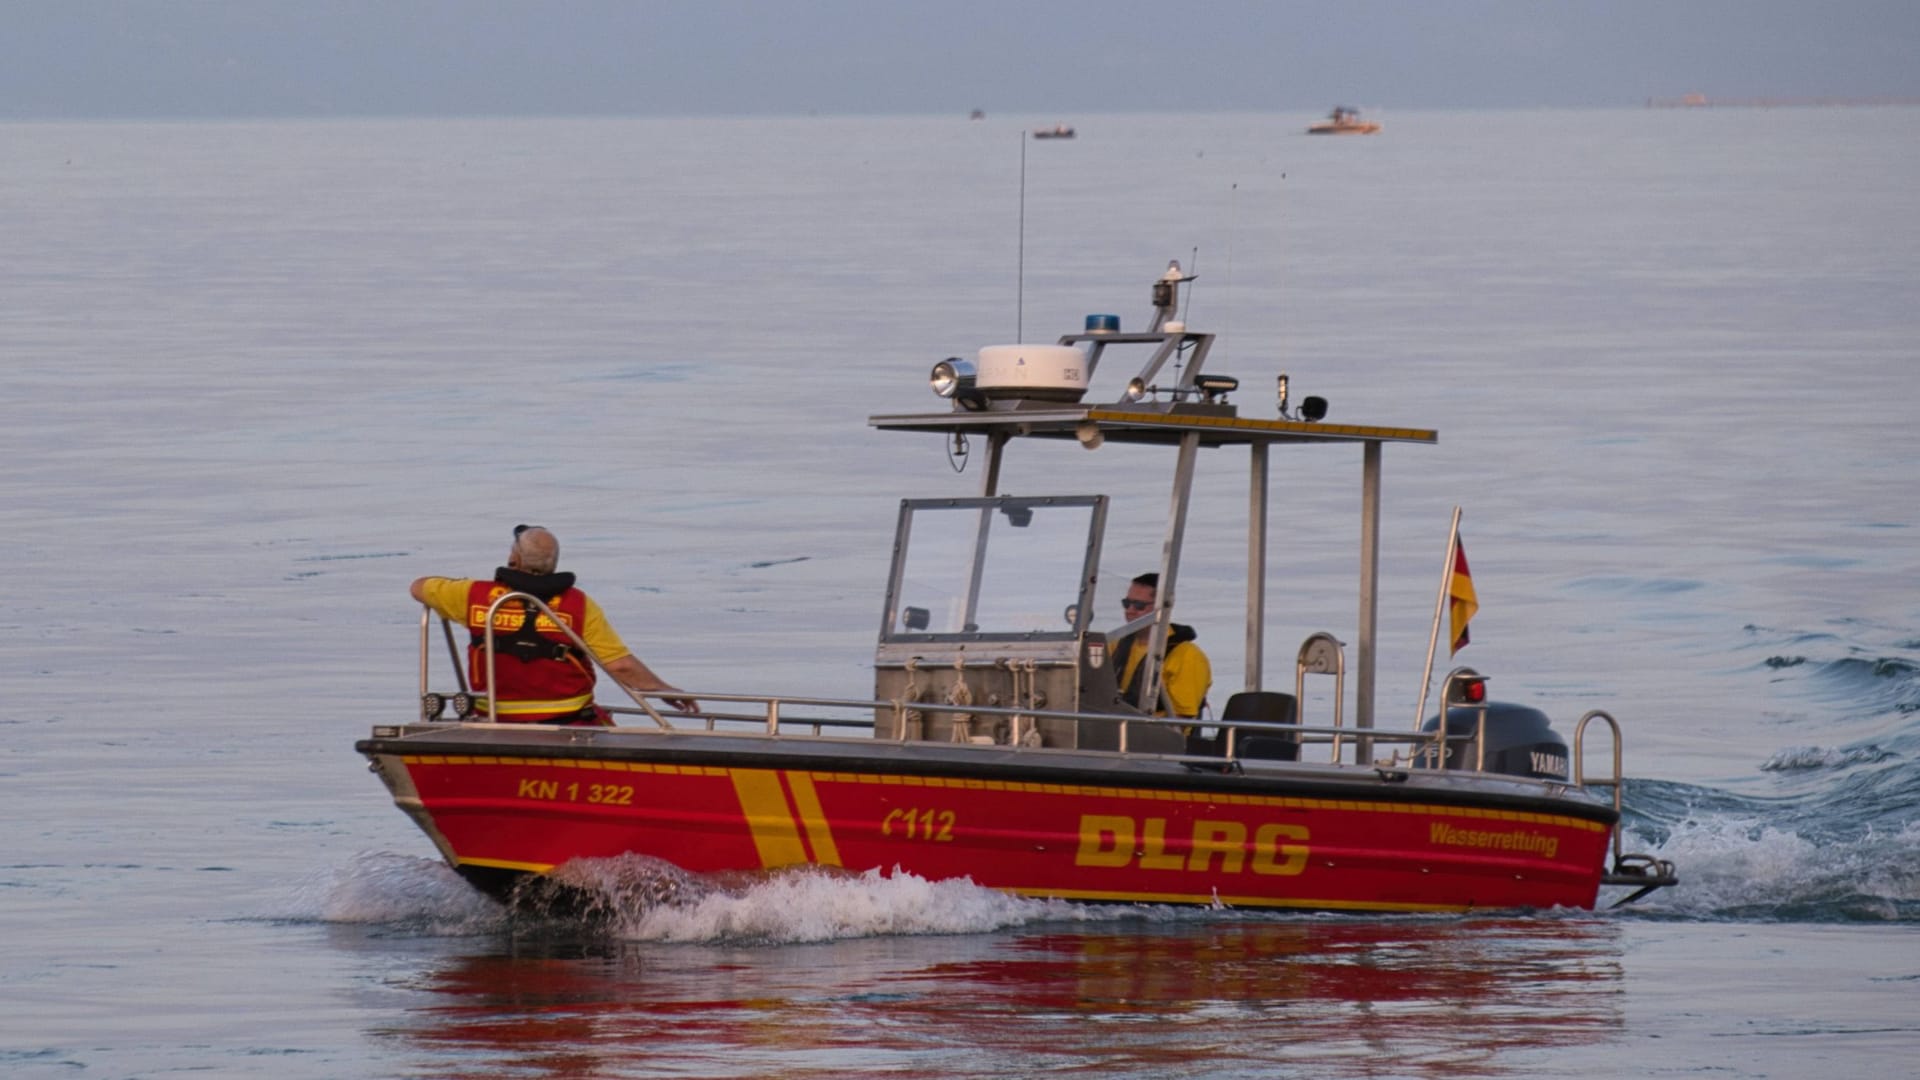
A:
(142, 58)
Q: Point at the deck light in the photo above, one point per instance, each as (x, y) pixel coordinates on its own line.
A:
(1089, 434)
(1136, 389)
(1216, 387)
(952, 375)
(1313, 409)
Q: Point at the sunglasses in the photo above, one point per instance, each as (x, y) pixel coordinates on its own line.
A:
(518, 529)
(1136, 605)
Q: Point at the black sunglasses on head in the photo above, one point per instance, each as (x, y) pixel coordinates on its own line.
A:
(518, 529)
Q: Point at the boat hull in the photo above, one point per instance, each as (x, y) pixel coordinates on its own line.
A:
(502, 804)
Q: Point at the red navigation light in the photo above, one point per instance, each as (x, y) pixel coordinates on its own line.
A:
(1466, 688)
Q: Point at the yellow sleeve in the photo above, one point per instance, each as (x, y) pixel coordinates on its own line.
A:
(1188, 677)
(448, 597)
(598, 633)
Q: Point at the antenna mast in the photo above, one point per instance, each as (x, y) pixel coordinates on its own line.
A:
(1020, 273)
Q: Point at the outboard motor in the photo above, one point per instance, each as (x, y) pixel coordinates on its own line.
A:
(1520, 741)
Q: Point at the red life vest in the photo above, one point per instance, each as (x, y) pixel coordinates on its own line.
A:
(543, 675)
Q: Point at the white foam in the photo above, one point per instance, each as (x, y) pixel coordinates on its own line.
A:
(1743, 866)
(811, 905)
(382, 887)
(643, 899)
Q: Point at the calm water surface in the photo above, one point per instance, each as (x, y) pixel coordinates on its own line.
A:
(259, 376)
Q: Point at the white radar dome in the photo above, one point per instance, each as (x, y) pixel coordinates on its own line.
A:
(1041, 372)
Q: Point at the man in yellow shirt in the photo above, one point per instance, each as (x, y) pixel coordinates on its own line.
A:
(543, 675)
(1185, 675)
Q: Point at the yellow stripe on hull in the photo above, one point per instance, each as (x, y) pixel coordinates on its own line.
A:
(819, 832)
(776, 835)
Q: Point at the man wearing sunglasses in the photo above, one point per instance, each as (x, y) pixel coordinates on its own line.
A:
(544, 677)
(1186, 673)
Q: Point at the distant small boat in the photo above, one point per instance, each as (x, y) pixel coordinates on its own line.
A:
(978, 114)
(1344, 120)
(1057, 131)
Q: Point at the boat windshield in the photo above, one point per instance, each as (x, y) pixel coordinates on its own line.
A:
(984, 568)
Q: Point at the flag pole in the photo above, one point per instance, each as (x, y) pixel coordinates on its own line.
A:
(1439, 605)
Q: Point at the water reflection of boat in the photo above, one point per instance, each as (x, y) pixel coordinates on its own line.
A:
(997, 744)
(1343, 120)
(1057, 131)
(1413, 998)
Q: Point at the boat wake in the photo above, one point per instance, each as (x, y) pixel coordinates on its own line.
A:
(1865, 683)
(1859, 669)
(1849, 852)
(1825, 758)
(645, 899)
(1824, 830)
(637, 898)
(407, 892)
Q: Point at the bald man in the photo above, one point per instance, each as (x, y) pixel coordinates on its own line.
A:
(544, 677)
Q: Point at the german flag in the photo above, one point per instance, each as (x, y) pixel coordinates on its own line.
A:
(1461, 601)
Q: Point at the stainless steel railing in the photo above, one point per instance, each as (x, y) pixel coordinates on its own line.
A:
(770, 712)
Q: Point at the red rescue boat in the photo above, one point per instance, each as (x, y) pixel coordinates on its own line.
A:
(997, 745)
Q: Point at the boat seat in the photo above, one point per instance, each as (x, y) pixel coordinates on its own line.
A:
(1266, 707)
